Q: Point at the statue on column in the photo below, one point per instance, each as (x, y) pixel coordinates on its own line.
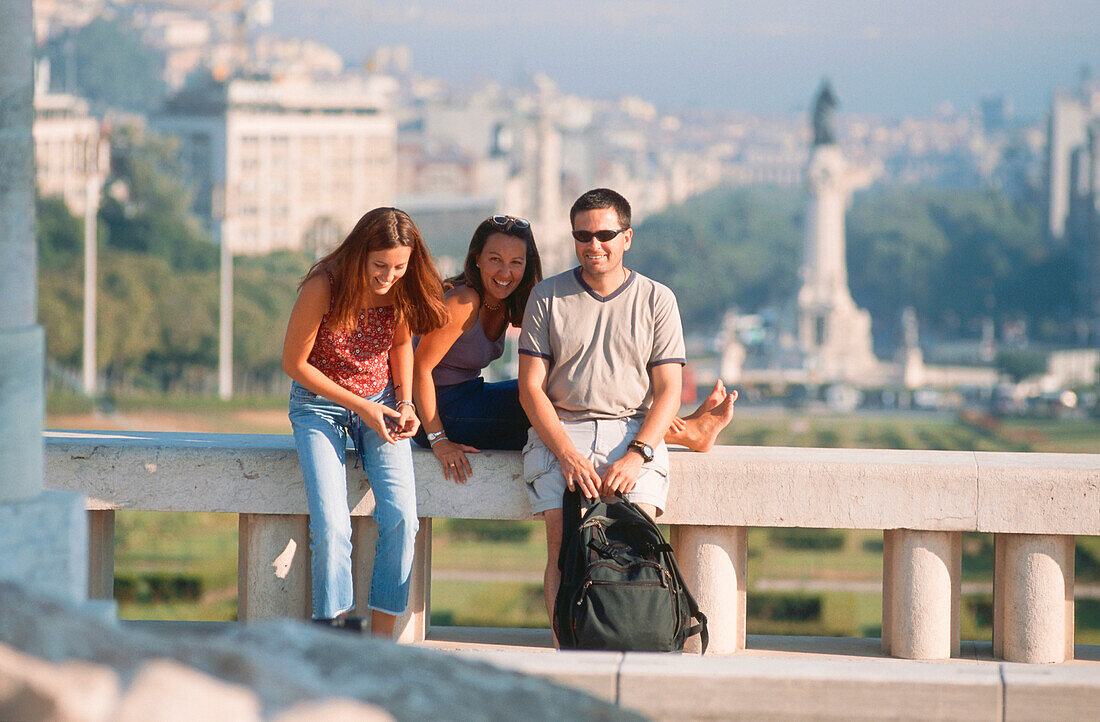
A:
(825, 115)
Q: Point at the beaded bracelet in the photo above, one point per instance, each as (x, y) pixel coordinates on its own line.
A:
(403, 402)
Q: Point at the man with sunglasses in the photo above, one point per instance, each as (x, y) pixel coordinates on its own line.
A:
(600, 373)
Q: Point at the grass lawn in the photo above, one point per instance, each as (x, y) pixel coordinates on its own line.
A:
(878, 432)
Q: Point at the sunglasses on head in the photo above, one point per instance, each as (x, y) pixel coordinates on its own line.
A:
(601, 236)
(505, 223)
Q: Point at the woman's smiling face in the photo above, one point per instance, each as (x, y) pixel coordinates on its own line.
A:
(385, 268)
(502, 262)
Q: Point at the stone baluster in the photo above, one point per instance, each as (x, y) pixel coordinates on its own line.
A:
(274, 580)
(921, 592)
(714, 560)
(1033, 578)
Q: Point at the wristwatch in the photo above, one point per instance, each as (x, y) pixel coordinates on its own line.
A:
(642, 448)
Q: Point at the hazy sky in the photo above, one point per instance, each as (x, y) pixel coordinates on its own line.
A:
(883, 56)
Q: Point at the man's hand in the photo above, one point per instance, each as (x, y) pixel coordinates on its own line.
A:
(579, 472)
(622, 474)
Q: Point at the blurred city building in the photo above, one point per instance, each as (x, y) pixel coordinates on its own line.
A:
(285, 164)
(1073, 185)
(53, 17)
(462, 151)
(1073, 151)
(72, 154)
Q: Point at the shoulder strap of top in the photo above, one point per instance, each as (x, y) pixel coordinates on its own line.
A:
(331, 293)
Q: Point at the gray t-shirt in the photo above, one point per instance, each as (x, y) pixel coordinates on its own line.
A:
(600, 348)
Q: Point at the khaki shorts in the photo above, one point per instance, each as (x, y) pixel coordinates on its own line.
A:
(603, 441)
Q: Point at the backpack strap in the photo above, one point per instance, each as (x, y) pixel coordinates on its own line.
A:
(570, 521)
(693, 606)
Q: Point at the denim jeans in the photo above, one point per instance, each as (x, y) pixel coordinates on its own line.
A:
(321, 430)
(482, 415)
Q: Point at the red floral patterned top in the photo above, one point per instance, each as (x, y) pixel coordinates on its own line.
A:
(359, 361)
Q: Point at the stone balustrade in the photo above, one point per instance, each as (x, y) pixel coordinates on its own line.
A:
(1034, 504)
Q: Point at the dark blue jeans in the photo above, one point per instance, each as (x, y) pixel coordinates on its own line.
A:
(484, 416)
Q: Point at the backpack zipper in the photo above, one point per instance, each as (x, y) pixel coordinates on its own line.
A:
(584, 589)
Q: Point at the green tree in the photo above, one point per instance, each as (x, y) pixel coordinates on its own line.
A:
(60, 237)
(958, 257)
(147, 208)
(265, 289)
(157, 301)
(60, 234)
(109, 65)
(724, 248)
(895, 252)
(1020, 364)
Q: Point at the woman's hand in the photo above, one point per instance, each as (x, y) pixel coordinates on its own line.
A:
(407, 423)
(453, 459)
(379, 417)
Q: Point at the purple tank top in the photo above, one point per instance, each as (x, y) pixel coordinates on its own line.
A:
(472, 352)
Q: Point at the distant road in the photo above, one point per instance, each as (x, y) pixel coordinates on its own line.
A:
(1080, 591)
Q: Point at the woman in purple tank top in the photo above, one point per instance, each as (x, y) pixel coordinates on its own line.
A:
(459, 411)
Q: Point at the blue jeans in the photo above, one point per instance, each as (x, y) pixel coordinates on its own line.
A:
(321, 430)
(484, 416)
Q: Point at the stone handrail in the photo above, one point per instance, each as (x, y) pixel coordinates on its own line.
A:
(1034, 504)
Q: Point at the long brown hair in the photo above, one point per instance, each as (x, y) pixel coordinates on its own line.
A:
(532, 273)
(417, 296)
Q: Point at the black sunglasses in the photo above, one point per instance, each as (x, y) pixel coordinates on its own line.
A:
(504, 223)
(601, 236)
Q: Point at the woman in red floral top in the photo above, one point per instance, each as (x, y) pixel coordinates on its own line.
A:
(348, 349)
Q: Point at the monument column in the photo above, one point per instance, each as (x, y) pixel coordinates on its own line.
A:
(43, 534)
(834, 335)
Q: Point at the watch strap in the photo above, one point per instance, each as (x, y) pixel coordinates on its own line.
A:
(643, 449)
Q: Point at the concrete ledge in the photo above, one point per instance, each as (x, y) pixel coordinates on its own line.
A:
(729, 486)
(1065, 692)
(597, 673)
(1052, 493)
(920, 499)
(759, 687)
(799, 677)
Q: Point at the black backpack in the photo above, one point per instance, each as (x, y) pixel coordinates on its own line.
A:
(620, 586)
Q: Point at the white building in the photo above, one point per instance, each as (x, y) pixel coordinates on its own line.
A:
(1073, 186)
(286, 165)
(70, 153)
(1069, 152)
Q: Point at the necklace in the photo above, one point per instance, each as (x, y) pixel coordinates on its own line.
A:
(492, 308)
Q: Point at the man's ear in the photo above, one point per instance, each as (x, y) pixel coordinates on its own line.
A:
(628, 237)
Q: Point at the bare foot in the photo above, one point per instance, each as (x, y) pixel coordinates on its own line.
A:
(716, 396)
(701, 431)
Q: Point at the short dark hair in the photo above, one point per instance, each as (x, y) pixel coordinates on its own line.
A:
(599, 198)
